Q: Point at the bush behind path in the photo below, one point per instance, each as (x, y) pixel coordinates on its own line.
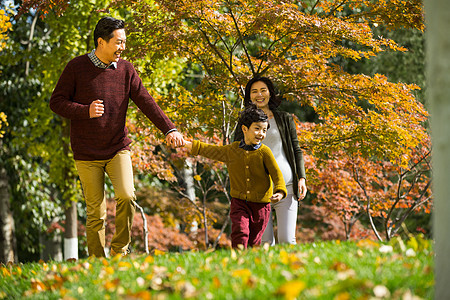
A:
(322, 270)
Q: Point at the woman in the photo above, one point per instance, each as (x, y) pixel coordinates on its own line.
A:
(282, 139)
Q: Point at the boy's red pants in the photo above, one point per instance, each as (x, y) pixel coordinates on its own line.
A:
(248, 222)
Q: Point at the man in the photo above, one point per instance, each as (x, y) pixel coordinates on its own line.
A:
(93, 92)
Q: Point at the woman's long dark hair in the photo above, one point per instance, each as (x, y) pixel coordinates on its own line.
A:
(274, 102)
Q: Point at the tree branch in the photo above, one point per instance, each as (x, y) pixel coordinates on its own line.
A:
(241, 39)
(356, 177)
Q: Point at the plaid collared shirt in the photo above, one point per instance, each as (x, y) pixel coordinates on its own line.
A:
(98, 63)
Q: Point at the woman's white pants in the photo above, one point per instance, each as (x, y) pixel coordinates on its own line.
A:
(286, 213)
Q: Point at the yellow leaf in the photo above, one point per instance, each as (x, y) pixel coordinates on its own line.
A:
(112, 284)
(159, 252)
(5, 272)
(149, 259)
(197, 177)
(242, 273)
(342, 296)
(144, 295)
(290, 290)
(123, 265)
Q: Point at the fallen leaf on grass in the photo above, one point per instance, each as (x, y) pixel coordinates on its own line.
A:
(291, 289)
(111, 285)
(216, 282)
(149, 259)
(339, 266)
(142, 295)
(158, 252)
(241, 273)
(124, 265)
(342, 296)
(380, 291)
(386, 249)
(186, 289)
(366, 243)
(291, 259)
(5, 272)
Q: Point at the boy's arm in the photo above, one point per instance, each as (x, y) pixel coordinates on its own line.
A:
(188, 145)
(214, 152)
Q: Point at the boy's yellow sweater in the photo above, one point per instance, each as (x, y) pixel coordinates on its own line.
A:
(250, 171)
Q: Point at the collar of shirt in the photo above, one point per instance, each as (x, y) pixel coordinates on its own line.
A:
(244, 146)
(98, 63)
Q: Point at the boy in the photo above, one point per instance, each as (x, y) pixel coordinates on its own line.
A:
(251, 166)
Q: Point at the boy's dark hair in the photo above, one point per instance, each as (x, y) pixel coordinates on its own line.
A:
(105, 27)
(274, 102)
(252, 114)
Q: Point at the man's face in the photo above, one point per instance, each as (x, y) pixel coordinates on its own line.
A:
(110, 51)
(255, 133)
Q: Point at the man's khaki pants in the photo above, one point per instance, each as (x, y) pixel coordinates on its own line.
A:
(92, 176)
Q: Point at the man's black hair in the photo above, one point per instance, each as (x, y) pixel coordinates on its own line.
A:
(252, 114)
(105, 27)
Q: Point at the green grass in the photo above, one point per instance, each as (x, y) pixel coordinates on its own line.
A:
(322, 270)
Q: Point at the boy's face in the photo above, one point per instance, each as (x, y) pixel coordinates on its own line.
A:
(255, 133)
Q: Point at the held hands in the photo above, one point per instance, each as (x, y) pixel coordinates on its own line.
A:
(96, 109)
(175, 139)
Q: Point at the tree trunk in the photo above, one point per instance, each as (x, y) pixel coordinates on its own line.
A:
(71, 225)
(437, 14)
(187, 182)
(71, 232)
(8, 249)
(52, 245)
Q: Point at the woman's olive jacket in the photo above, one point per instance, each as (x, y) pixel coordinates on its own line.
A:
(291, 147)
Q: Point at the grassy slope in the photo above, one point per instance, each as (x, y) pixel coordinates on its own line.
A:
(324, 270)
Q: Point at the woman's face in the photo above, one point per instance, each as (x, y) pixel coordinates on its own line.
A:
(260, 95)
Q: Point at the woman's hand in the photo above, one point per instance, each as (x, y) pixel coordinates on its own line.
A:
(302, 188)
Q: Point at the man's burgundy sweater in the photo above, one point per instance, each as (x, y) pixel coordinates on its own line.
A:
(81, 83)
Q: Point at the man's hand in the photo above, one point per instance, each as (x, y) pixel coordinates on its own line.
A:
(277, 197)
(175, 139)
(96, 109)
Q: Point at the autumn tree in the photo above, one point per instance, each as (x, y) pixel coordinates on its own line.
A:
(36, 149)
(379, 191)
(8, 248)
(64, 31)
(361, 117)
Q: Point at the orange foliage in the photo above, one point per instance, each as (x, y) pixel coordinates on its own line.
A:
(350, 186)
(160, 236)
(370, 131)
